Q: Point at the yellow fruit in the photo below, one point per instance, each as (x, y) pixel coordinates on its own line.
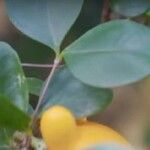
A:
(93, 133)
(58, 128)
(61, 132)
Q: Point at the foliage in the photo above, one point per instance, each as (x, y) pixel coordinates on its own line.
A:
(111, 54)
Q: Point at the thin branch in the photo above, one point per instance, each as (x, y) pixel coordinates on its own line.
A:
(30, 65)
(41, 97)
(37, 65)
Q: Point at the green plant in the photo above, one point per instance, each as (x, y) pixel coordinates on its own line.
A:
(111, 54)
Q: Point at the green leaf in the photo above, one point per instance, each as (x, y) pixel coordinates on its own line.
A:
(5, 136)
(109, 146)
(112, 54)
(34, 86)
(12, 117)
(4, 147)
(12, 80)
(46, 21)
(148, 13)
(81, 99)
(30, 110)
(130, 8)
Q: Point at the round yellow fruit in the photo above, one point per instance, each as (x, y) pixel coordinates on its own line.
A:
(61, 132)
(58, 128)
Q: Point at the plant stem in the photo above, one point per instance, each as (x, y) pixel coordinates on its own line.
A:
(55, 65)
(37, 65)
(30, 65)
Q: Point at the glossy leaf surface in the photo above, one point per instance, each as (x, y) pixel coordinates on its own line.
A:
(12, 80)
(81, 99)
(112, 54)
(46, 21)
(34, 85)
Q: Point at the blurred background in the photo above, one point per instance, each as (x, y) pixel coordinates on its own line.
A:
(130, 109)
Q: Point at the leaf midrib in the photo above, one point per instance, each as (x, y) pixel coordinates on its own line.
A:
(106, 51)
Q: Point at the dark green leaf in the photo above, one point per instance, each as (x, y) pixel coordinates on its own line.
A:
(12, 117)
(83, 100)
(30, 110)
(130, 8)
(112, 54)
(5, 136)
(148, 13)
(108, 146)
(34, 86)
(47, 21)
(12, 80)
(5, 147)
